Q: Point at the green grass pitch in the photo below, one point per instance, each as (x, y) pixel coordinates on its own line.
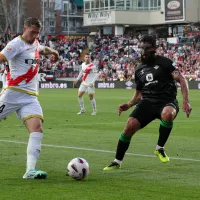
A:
(94, 138)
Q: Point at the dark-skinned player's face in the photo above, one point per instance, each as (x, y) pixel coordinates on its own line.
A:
(147, 53)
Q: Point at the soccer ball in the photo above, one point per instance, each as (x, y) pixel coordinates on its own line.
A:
(78, 168)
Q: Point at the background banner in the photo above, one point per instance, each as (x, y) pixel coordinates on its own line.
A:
(174, 10)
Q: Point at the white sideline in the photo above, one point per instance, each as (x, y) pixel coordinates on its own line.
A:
(98, 150)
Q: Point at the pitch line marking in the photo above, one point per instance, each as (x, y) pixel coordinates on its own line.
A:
(98, 150)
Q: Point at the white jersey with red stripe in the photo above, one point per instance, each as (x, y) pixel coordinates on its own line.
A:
(23, 61)
(89, 73)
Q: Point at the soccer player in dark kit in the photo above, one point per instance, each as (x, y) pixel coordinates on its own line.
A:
(155, 97)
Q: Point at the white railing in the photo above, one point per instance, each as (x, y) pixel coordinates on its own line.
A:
(91, 5)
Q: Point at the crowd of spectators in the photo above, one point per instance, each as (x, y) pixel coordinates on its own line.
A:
(116, 57)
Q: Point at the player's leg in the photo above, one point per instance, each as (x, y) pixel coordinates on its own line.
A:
(167, 115)
(8, 103)
(7, 109)
(4, 82)
(132, 126)
(81, 92)
(91, 92)
(31, 114)
(138, 119)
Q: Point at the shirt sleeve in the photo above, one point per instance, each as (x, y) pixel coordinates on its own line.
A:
(137, 82)
(40, 47)
(10, 50)
(80, 75)
(172, 66)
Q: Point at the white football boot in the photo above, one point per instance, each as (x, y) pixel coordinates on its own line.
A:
(35, 174)
(94, 112)
(81, 112)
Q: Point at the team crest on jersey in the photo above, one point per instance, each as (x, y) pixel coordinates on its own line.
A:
(156, 67)
(8, 48)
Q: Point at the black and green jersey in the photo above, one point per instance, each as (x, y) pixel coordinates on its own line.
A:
(155, 81)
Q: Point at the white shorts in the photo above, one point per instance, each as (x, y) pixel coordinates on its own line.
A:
(26, 106)
(89, 90)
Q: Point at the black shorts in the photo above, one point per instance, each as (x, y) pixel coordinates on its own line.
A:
(147, 110)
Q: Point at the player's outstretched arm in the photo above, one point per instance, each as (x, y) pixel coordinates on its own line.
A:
(133, 101)
(184, 90)
(79, 76)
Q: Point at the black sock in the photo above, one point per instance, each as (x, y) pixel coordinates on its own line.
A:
(164, 132)
(123, 144)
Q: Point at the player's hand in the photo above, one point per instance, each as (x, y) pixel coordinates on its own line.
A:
(75, 82)
(54, 57)
(91, 85)
(187, 108)
(123, 107)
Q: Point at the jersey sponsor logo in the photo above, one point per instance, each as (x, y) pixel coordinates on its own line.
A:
(152, 82)
(32, 61)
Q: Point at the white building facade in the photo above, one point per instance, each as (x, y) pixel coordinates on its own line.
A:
(117, 15)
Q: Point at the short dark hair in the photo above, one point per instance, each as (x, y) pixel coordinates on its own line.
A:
(33, 21)
(149, 39)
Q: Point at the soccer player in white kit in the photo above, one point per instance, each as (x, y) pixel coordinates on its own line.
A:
(20, 95)
(89, 74)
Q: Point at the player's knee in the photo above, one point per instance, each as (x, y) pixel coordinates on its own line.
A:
(80, 94)
(132, 126)
(91, 97)
(38, 129)
(34, 125)
(168, 114)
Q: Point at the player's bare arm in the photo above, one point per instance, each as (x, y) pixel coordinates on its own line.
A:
(79, 76)
(2, 58)
(185, 91)
(133, 101)
(49, 51)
